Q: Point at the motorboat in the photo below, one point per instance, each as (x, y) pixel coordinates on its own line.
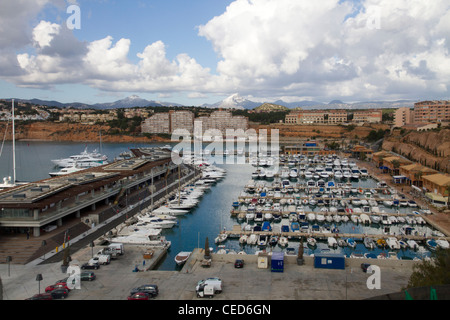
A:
(243, 239)
(283, 241)
(167, 210)
(412, 244)
(442, 243)
(252, 239)
(295, 226)
(351, 242)
(342, 243)
(393, 243)
(431, 244)
(262, 240)
(83, 160)
(403, 244)
(381, 243)
(375, 218)
(273, 240)
(65, 171)
(312, 242)
(365, 219)
(158, 223)
(182, 257)
(369, 243)
(221, 238)
(332, 242)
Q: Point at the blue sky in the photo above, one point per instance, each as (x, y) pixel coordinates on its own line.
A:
(201, 51)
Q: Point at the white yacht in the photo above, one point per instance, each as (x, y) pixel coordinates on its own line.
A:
(83, 160)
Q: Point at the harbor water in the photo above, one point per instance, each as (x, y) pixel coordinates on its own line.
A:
(212, 214)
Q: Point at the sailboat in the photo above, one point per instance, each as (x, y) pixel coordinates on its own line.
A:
(9, 182)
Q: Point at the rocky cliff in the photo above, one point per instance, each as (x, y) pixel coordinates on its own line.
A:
(50, 131)
(431, 148)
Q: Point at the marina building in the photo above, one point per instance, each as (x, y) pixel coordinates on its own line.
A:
(392, 164)
(432, 112)
(415, 173)
(45, 204)
(437, 183)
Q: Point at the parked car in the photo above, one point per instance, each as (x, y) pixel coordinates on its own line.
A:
(41, 296)
(58, 285)
(364, 266)
(239, 263)
(95, 266)
(59, 293)
(87, 276)
(140, 296)
(151, 289)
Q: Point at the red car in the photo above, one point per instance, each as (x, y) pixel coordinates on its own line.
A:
(59, 285)
(42, 296)
(140, 296)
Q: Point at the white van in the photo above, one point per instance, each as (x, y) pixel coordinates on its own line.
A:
(100, 259)
(118, 247)
(216, 283)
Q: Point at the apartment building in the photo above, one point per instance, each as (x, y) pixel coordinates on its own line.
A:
(316, 117)
(403, 116)
(337, 116)
(158, 123)
(432, 112)
(368, 116)
(170, 121)
(222, 120)
(181, 120)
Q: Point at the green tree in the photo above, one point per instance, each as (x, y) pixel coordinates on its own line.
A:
(431, 272)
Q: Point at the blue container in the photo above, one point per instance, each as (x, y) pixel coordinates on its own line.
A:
(329, 261)
(277, 262)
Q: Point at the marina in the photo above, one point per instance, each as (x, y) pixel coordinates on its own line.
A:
(245, 214)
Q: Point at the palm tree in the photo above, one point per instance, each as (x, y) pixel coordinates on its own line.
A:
(395, 165)
(207, 252)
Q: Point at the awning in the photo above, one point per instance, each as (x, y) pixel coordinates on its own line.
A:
(436, 198)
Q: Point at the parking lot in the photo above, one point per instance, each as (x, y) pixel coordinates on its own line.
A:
(115, 281)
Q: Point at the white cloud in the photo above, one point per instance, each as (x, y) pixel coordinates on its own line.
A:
(44, 32)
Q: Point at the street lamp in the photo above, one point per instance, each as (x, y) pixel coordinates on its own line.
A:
(43, 244)
(9, 259)
(92, 248)
(39, 279)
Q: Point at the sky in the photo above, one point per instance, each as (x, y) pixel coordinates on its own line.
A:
(200, 51)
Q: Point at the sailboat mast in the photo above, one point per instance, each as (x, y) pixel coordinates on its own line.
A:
(14, 144)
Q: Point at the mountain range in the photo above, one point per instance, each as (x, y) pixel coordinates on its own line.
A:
(234, 101)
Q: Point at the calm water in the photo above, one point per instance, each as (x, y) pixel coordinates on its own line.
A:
(33, 162)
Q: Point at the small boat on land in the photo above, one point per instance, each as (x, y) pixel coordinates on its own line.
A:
(182, 257)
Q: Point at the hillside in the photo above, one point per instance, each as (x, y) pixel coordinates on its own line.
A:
(270, 107)
(431, 148)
